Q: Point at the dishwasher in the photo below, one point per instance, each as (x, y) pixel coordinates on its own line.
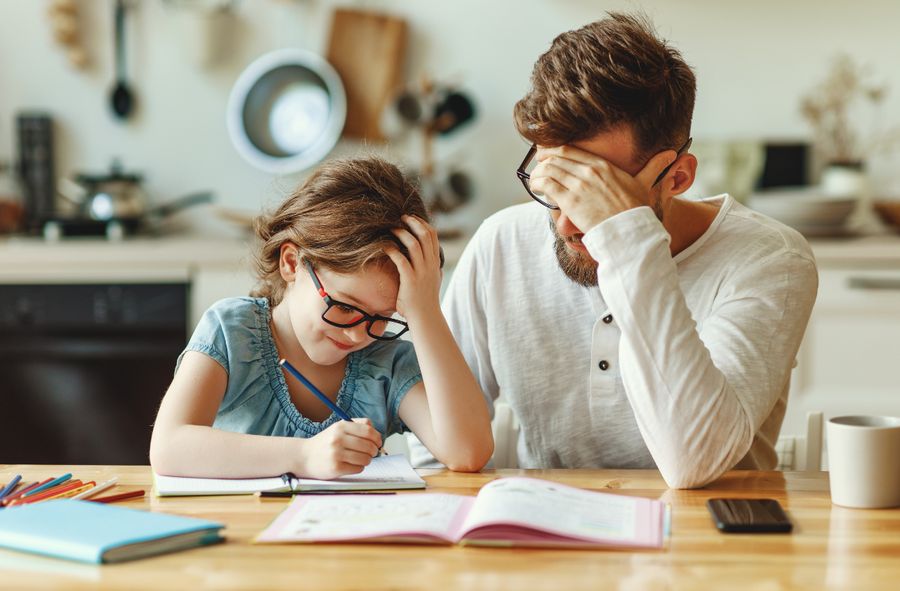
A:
(83, 368)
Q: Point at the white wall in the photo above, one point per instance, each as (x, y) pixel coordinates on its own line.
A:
(753, 61)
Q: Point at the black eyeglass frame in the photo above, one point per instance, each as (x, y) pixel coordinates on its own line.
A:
(525, 177)
(364, 316)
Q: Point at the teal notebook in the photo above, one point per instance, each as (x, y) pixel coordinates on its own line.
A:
(98, 533)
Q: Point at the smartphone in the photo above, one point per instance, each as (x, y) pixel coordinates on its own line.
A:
(749, 516)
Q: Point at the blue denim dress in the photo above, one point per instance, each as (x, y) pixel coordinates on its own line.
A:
(235, 332)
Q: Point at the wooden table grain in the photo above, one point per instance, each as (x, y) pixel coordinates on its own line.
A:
(831, 547)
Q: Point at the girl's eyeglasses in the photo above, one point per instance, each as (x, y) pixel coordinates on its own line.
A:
(344, 315)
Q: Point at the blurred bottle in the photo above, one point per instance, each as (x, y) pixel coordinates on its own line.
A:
(11, 210)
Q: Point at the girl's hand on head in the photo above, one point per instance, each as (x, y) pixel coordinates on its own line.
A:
(420, 273)
(343, 448)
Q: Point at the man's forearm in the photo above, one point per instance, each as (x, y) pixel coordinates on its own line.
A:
(689, 397)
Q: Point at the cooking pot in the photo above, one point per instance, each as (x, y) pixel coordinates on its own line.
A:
(115, 203)
(115, 195)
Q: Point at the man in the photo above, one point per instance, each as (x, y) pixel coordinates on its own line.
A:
(625, 326)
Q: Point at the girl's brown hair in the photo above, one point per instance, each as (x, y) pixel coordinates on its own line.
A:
(340, 218)
(613, 71)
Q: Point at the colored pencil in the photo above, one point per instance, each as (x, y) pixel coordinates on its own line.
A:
(316, 392)
(71, 493)
(119, 497)
(46, 493)
(319, 394)
(24, 490)
(97, 489)
(11, 486)
(268, 494)
(53, 482)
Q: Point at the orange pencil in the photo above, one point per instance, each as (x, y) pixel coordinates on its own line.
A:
(46, 494)
(71, 493)
(22, 491)
(119, 497)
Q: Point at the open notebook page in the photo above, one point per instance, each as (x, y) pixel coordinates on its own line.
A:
(422, 518)
(565, 511)
(385, 472)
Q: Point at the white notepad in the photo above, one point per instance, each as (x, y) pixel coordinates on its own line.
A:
(384, 473)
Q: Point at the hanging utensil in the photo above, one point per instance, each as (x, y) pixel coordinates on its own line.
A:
(122, 99)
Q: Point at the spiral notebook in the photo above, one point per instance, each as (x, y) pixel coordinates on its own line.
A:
(392, 472)
(514, 511)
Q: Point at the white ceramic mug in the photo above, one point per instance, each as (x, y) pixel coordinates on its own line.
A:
(864, 461)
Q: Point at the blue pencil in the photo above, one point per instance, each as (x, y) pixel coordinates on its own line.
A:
(309, 386)
(50, 484)
(10, 487)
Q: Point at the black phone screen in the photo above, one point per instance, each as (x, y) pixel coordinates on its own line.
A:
(749, 515)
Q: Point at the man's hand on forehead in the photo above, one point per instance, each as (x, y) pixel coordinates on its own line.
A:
(588, 188)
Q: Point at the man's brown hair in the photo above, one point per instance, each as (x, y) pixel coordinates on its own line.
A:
(612, 71)
(340, 218)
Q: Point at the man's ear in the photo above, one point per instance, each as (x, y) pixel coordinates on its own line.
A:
(288, 261)
(682, 175)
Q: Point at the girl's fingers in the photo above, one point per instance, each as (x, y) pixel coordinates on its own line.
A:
(354, 458)
(400, 261)
(362, 445)
(413, 246)
(426, 233)
(362, 428)
(345, 468)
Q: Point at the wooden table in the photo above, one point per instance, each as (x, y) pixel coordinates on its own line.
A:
(831, 547)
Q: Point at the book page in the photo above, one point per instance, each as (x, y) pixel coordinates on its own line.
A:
(561, 510)
(355, 517)
(384, 472)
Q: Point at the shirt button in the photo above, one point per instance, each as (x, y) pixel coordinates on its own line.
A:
(604, 365)
(607, 319)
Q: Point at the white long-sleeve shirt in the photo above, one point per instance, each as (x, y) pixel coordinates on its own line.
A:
(681, 363)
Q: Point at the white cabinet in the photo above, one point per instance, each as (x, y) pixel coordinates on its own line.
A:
(849, 362)
(210, 284)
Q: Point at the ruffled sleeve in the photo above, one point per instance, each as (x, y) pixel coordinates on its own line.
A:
(209, 336)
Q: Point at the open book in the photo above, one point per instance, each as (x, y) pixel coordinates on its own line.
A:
(384, 473)
(506, 512)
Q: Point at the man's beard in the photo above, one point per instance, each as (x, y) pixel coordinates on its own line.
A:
(578, 267)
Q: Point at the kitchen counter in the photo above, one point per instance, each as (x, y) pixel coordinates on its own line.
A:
(138, 259)
(879, 250)
(25, 259)
(214, 267)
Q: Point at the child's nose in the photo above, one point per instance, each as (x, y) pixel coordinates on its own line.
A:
(357, 333)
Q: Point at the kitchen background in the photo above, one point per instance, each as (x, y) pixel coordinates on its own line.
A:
(755, 62)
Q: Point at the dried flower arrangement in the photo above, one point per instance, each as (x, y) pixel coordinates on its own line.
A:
(828, 110)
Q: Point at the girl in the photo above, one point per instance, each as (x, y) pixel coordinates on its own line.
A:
(338, 259)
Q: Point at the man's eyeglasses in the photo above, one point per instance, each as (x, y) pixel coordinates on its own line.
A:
(343, 315)
(524, 174)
